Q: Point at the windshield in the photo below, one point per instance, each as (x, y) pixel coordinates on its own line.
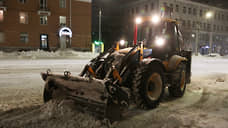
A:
(148, 32)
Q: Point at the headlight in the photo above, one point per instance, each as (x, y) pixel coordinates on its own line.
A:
(155, 19)
(138, 20)
(159, 41)
(122, 42)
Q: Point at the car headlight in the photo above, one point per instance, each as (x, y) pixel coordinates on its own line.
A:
(159, 41)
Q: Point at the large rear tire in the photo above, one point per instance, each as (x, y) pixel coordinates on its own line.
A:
(148, 86)
(177, 89)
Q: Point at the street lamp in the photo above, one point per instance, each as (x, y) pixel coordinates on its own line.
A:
(155, 19)
(209, 16)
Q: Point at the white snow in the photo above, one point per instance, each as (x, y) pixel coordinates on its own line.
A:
(205, 104)
(40, 54)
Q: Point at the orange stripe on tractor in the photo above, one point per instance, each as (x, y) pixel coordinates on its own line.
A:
(116, 75)
(91, 71)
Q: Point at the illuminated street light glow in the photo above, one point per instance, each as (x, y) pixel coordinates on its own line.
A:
(138, 20)
(122, 42)
(155, 19)
(193, 35)
(159, 41)
(209, 15)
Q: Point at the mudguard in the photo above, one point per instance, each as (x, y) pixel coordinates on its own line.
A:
(173, 62)
(154, 60)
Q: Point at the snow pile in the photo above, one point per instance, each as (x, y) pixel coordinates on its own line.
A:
(40, 54)
(54, 114)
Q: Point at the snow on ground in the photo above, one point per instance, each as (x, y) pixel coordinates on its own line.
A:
(205, 103)
(40, 54)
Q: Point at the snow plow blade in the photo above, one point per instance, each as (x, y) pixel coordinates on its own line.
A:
(88, 94)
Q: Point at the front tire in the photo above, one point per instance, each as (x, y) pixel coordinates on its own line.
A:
(148, 86)
(179, 81)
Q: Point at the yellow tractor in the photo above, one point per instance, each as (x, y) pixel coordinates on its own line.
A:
(137, 76)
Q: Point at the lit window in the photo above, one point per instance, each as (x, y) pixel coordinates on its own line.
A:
(62, 20)
(62, 3)
(43, 20)
(23, 17)
(1, 15)
(22, 1)
(2, 37)
(24, 37)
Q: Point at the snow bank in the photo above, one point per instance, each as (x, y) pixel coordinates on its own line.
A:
(54, 114)
(40, 54)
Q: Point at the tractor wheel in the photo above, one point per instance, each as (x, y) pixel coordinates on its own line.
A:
(177, 89)
(148, 86)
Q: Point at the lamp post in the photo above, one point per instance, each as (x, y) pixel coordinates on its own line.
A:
(100, 13)
(209, 16)
(197, 39)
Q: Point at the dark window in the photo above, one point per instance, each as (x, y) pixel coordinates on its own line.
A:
(146, 8)
(189, 23)
(201, 13)
(152, 6)
(132, 11)
(189, 11)
(184, 10)
(183, 23)
(193, 24)
(2, 37)
(137, 9)
(62, 3)
(24, 37)
(43, 4)
(194, 12)
(43, 20)
(177, 8)
(22, 1)
(171, 7)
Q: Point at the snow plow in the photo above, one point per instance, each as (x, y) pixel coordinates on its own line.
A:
(133, 76)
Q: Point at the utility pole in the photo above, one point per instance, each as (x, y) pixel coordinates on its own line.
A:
(100, 13)
(70, 20)
(197, 39)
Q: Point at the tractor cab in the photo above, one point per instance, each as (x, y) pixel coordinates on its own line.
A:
(162, 36)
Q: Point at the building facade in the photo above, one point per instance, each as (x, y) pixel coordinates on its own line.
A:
(192, 18)
(45, 24)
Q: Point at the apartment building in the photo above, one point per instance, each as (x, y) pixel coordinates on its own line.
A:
(45, 24)
(192, 18)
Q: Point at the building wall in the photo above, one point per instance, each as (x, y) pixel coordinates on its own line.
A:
(190, 21)
(81, 24)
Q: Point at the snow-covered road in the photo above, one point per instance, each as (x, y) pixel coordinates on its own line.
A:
(204, 105)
